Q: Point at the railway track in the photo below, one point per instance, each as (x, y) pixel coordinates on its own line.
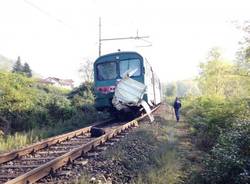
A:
(36, 161)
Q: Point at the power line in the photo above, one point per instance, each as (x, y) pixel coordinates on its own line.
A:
(48, 14)
(73, 30)
(146, 41)
(149, 43)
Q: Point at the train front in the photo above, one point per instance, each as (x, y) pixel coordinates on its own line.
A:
(109, 70)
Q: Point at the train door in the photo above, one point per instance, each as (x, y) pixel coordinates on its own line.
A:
(149, 83)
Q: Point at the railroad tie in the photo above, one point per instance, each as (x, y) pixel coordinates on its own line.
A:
(18, 166)
(8, 176)
(51, 152)
(37, 158)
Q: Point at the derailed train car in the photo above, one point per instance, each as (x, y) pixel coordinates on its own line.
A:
(112, 69)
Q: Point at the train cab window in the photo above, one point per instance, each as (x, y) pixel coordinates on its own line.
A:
(106, 71)
(130, 65)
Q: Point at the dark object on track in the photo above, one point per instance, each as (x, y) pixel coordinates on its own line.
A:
(96, 132)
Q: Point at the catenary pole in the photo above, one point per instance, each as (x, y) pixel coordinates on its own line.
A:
(137, 37)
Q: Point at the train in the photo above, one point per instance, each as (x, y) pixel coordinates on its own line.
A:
(110, 69)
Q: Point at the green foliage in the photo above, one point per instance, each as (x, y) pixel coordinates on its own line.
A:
(243, 53)
(187, 87)
(229, 161)
(17, 95)
(221, 78)
(83, 95)
(22, 69)
(17, 140)
(216, 77)
(180, 89)
(211, 115)
(27, 70)
(18, 67)
(222, 129)
(220, 118)
(26, 104)
(170, 89)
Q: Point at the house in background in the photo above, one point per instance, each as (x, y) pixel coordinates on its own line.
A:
(64, 83)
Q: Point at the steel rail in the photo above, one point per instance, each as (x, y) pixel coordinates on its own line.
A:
(5, 157)
(50, 167)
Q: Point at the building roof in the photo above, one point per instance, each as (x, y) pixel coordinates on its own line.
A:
(54, 80)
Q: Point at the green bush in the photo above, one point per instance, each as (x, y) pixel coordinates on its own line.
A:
(212, 115)
(222, 129)
(83, 95)
(26, 104)
(229, 160)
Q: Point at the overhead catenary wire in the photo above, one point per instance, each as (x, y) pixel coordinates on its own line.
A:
(74, 32)
(44, 12)
(48, 14)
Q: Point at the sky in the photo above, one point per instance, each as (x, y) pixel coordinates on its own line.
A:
(56, 36)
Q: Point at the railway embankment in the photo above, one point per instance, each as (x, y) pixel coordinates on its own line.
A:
(157, 152)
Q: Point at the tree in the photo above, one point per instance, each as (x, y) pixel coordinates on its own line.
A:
(171, 89)
(22, 69)
(214, 54)
(86, 71)
(243, 58)
(217, 76)
(187, 87)
(82, 95)
(243, 53)
(18, 67)
(27, 70)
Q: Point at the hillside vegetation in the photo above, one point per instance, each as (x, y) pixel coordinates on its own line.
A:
(29, 106)
(221, 121)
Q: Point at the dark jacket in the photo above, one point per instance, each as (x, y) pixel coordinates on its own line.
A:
(177, 104)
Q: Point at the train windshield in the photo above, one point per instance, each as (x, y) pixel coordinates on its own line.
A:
(106, 71)
(130, 65)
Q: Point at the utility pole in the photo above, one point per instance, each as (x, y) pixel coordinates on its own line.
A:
(100, 36)
(137, 37)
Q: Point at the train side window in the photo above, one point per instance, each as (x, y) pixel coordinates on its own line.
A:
(131, 65)
(106, 71)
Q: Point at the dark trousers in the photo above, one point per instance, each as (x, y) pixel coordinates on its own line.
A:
(177, 114)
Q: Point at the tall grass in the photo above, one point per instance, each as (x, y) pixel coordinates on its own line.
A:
(167, 170)
(20, 139)
(167, 164)
(17, 140)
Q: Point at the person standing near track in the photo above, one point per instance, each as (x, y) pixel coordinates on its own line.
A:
(177, 106)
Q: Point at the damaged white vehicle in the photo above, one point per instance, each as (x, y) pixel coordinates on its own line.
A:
(129, 93)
